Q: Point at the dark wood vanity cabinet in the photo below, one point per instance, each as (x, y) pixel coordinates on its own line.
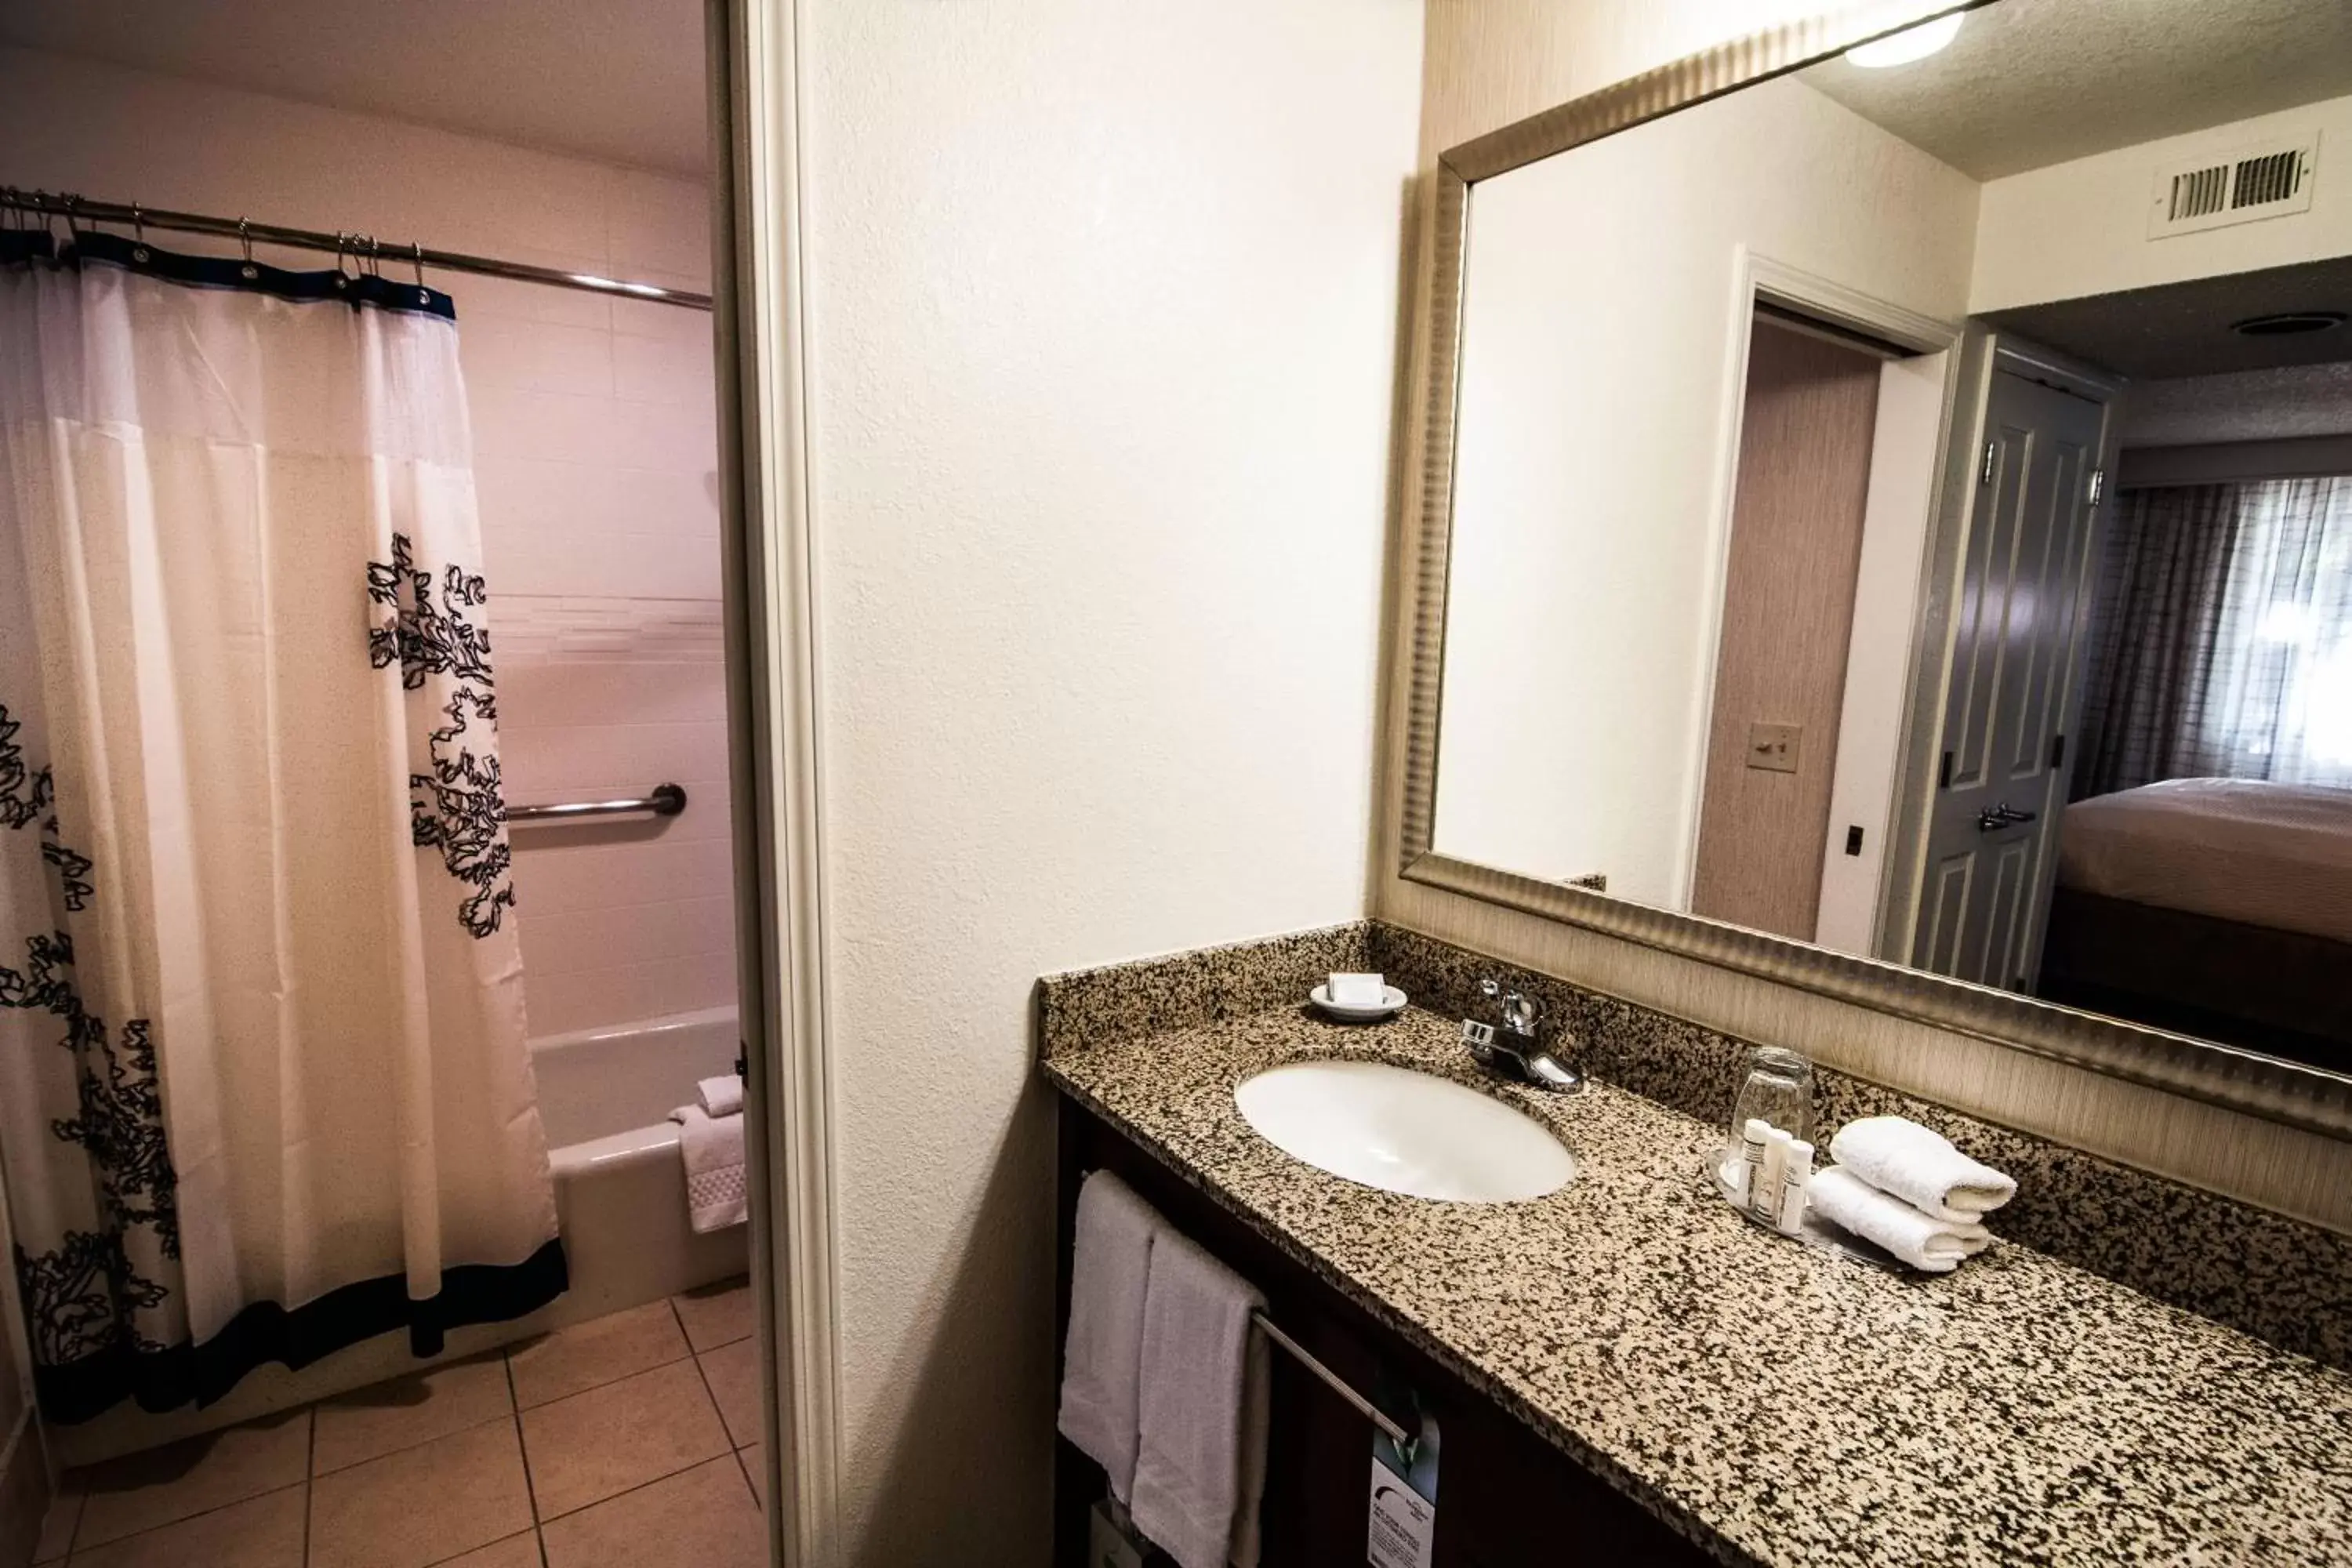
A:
(1506, 1498)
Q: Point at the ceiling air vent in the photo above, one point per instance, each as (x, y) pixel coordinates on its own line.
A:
(2240, 186)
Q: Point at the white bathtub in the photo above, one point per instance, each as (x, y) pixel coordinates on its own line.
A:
(606, 1096)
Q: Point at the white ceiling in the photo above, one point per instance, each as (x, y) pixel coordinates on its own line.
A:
(2032, 82)
(618, 80)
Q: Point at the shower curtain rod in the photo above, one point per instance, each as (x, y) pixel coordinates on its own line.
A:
(75, 209)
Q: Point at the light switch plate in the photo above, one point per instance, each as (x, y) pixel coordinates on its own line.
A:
(1773, 747)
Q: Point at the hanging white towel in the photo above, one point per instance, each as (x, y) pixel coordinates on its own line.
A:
(1110, 1260)
(1199, 1460)
(1930, 1245)
(1921, 1167)
(716, 1193)
(721, 1096)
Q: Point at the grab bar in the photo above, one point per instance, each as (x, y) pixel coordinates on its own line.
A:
(1332, 1380)
(667, 800)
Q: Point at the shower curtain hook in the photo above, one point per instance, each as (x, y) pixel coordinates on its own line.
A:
(417, 257)
(245, 239)
(138, 234)
(342, 243)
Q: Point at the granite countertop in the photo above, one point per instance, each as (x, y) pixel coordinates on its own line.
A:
(1775, 1404)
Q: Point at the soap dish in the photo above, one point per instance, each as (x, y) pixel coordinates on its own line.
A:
(1813, 1231)
(1391, 1003)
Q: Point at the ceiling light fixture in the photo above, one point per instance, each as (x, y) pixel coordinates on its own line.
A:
(2287, 323)
(1910, 44)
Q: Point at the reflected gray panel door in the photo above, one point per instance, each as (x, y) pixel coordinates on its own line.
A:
(1992, 833)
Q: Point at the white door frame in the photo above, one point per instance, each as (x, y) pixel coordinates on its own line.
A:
(1760, 280)
(773, 647)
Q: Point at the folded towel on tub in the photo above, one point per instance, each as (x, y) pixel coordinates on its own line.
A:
(721, 1096)
(717, 1192)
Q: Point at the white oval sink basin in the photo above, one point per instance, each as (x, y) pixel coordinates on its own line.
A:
(1404, 1131)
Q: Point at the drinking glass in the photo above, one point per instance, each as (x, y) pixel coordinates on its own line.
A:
(1779, 1091)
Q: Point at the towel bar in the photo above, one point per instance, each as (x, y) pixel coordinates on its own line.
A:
(667, 800)
(1332, 1379)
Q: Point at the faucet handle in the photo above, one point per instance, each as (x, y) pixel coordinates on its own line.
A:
(1519, 1013)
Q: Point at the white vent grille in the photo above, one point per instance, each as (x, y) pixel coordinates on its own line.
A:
(2240, 186)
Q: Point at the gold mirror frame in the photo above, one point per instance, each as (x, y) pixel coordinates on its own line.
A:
(2278, 1091)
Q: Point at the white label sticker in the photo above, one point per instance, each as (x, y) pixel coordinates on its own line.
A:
(1404, 1523)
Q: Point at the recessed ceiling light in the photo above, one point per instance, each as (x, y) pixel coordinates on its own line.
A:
(2287, 323)
(1910, 44)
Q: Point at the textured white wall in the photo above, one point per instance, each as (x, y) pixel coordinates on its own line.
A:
(1104, 303)
(2081, 228)
(595, 452)
(1597, 395)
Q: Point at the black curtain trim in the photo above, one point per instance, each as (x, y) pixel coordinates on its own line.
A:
(266, 1331)
(353, 289)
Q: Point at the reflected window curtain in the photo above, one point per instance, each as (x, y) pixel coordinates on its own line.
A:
(264, 1086)
(2225, 637)
(2277, 703)
(2166, 559)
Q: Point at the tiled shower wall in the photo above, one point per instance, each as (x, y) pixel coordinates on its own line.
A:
(595, 456)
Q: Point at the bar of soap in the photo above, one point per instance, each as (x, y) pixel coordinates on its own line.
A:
(1355, 990)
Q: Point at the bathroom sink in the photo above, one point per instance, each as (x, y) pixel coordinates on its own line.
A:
(1404, 1131)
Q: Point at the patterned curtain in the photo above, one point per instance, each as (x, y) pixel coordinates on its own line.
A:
(2223, 640)
(264, 1089)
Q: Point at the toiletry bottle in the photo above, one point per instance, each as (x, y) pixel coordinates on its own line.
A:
(1750, 1170)
(1764, 1198)
(1794, 1174)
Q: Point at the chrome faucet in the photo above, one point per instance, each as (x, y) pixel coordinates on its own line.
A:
(1514, 1050)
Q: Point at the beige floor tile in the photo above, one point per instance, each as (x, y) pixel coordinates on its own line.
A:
(514, 1551)
(602, 1350)
(733, 1374)
(57, 1524)
(702, 1519)
(389, 1416)
(585, 1448)
(142, 1492)
(421, 1505)
(260, 1532)
(717, 1314)
(755, 1470)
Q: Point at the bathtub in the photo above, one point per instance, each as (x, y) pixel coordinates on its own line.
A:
(620, 1192)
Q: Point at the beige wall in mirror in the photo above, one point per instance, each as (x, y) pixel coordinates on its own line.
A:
(1710, 629)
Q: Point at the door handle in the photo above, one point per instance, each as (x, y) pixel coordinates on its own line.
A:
(2001, 815)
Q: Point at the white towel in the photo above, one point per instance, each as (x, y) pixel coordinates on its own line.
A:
(717, 1195)
(1199, 1461)
(1110, 1264)
(721, 1096)
(1930, 1245)
(1920, 1167)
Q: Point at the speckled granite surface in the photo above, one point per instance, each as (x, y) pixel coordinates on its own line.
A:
(1777, 1406)
(2275, 1278)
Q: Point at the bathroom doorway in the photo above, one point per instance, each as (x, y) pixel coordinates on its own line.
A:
(1836, 422)
(384, 982)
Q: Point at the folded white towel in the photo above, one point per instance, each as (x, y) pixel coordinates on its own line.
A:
(1923, 1241)
(716, 1193)
(1110, 1264)
(721, 1096)
(1199, 1459)
(1920, 1167)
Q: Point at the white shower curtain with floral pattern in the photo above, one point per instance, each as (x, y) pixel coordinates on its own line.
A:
(263, 1088)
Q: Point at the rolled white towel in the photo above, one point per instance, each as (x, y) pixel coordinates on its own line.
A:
(1920, 1167)
(1926, 1243)
(721, 1096)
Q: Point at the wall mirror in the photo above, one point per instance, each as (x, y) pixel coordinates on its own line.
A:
(1888, 526)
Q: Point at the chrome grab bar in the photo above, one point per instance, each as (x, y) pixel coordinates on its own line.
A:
(667, 800)
(1332, 1380)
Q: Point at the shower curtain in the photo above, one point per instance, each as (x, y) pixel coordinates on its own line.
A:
(264, 1091)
